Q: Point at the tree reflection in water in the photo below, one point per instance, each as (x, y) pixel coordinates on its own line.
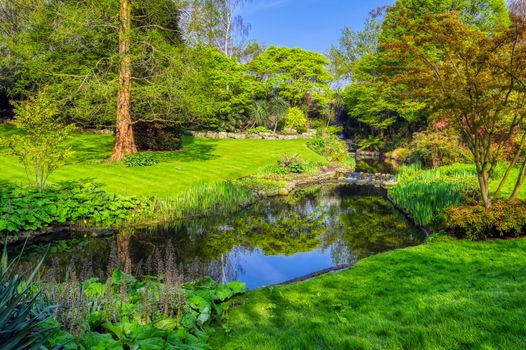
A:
(273, 241)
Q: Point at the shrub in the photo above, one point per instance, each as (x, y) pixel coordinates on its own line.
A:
(258, 130)
(296, 119)
(502, 219)
(372, 142)
(41, 148)
(157, 137)
(400, 153)
(293, 164)
(140, 159)
(436, 148)
(331, 147)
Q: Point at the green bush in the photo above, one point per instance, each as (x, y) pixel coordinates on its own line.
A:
(258, 130)
(293, 164)
(502, 219)
(436, 148)
(22, 209)
(157, 137)
(140, 159)
(374, 143)
(296, 119)
(331, 147)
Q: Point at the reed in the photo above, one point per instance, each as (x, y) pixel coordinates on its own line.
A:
(425, 194)
(216, 198)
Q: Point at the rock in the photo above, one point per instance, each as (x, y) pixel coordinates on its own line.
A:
(222, 135)
(283, 192)
(254, 137)
(289, 131)
(231, 135)
(267, 134)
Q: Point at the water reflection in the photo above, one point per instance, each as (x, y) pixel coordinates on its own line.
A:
(373, 165)
(271, 242)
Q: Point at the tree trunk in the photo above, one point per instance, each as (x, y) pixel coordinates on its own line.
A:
(124, 140)
(483, 178)
(520, 180)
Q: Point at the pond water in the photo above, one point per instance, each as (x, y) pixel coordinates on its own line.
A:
(377, 165)
(271, 242)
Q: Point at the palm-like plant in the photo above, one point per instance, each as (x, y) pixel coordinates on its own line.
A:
(23, 309)
(268, 113)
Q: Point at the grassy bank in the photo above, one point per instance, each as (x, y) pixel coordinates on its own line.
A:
(201, 160)
(444, 295)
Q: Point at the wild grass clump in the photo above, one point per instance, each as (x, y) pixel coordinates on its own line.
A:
(209, 198)
(426, 194)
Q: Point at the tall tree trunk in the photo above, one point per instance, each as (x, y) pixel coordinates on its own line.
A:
(124, 140)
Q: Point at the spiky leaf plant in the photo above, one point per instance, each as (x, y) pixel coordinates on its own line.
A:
(23, 310)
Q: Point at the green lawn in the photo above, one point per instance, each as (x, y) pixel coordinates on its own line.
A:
(448, 295)
(202, 160)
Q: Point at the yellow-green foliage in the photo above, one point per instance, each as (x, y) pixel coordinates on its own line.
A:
(502, 219)
(40, 147)
(295, 119)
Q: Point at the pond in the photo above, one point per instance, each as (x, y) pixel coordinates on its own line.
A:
(379, 164)
(271, 242)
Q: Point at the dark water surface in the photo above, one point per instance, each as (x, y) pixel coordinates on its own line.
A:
(374, 165)
(271, 242)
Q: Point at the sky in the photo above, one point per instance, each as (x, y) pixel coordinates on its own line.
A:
(309, 24)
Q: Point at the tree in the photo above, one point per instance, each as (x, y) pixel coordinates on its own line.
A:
(41, 147)
(215, 23)
(86, 56)
(353, 46)
(124, 141)
(475, 80)
(380, 109)
(517, 8)
(299, 76)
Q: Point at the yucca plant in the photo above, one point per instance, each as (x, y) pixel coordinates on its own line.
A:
(23, 310)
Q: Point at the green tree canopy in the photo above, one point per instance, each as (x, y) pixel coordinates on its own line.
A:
(301, 77)
(367, 98)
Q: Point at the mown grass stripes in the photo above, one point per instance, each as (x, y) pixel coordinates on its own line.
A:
(201, 160)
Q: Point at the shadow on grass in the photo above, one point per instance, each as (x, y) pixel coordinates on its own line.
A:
(193, 150)
(470, 292)
(91, 147)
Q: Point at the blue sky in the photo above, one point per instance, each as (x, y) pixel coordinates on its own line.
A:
(310, 24)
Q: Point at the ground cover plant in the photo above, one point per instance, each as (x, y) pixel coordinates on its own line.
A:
(23, 209)
(129, 313)
(121, 312)
(443, 295)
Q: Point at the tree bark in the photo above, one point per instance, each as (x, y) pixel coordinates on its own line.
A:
(520, 180)
(124, 140)
(483, 178)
